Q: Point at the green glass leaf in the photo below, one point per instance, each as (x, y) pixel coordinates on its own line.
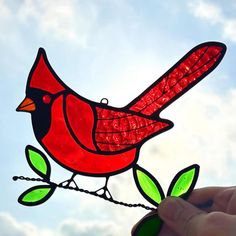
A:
(36, 195)
(148, 186)
(184, 182)
(38, 162)
(149, 226)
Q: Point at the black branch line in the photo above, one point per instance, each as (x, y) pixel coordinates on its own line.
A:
(15, 178)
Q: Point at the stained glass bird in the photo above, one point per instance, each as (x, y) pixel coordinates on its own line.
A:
(95, 139)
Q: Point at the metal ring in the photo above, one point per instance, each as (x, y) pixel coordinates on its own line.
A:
(104, 101)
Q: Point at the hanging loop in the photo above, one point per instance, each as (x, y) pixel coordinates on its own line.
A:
(104, 101)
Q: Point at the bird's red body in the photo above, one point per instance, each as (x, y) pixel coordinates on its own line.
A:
(72, 154)
(99, 140)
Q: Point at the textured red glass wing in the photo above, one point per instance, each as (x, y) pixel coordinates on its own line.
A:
(179, 79)
(119, 130)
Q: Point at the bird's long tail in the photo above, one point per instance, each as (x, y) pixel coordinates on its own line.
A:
(186, 73)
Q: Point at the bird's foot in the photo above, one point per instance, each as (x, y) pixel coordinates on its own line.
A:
(104, 193)
(69, 183)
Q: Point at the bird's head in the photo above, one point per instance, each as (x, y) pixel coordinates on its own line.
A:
(36, 101)
(42, 87)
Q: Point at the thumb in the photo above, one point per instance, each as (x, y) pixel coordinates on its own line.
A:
(182, 217)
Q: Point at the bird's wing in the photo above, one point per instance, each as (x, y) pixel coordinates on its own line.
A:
(117, 129)
(186, 73)
(80, 120)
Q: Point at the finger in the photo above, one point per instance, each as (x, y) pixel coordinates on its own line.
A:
(218, 224)
(182, 217)
(203, 198)
(202, 195)
(225, 201)
(167, 231)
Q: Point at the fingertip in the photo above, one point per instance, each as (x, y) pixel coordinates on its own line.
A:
(168, 208)
(180, 215)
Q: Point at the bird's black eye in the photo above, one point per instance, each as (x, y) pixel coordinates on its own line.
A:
(47, 99)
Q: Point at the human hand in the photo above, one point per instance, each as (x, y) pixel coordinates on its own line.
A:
(209, 211)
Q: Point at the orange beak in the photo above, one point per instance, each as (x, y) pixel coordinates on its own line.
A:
(27, 105)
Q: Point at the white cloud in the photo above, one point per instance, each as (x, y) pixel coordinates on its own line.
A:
(207, 11)
(6, 19)
(9, 226)
(214, 15)
(74, 228)
(62, 20)
(229, 29)
(4, 11)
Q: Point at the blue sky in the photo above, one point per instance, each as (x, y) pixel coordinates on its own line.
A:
(115, 49)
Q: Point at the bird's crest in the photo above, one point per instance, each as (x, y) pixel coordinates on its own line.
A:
(43, 77)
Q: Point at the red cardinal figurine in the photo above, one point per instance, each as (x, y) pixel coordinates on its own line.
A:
(95, 139)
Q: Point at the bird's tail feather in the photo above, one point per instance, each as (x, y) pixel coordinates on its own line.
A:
(186, 73)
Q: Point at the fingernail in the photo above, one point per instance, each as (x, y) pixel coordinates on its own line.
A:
(169, 209)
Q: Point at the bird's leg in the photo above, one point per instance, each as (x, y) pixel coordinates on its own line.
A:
(69, 181)
(104, 191)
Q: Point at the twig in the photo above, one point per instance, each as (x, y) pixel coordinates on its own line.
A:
(15, 178)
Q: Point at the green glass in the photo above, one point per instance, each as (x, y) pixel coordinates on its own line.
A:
(149, 187)
(183, 183)
(36, 195)
(149, 226)
(38, 161)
